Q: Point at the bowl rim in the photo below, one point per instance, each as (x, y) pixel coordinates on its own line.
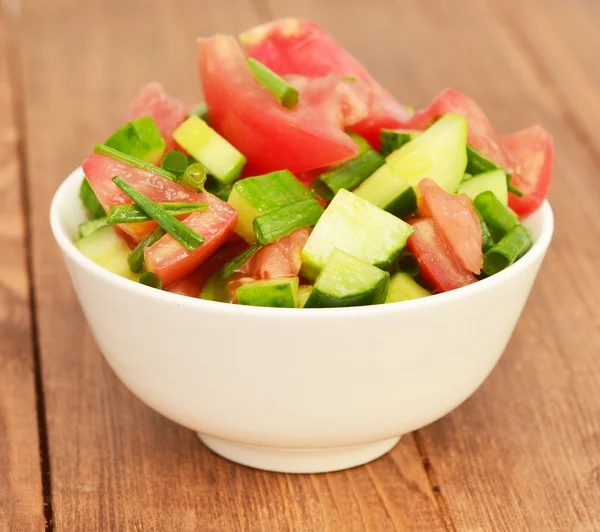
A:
(69, 249)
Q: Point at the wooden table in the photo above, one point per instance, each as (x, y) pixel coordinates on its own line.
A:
(79, 453)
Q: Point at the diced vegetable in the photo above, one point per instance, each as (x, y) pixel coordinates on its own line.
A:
(394, 139)
(87, 228)
(361, 142)
(139, 138)
(439, 154)
(494, 181)
(499, 219)
(237, 262)
(273, 225)
(270, 293)
(304, 292)
(509, 249)
(108, 250)
(217, 155)
(388, 191)
(408, 264)
(254, 196)
(136, 257)
(347, 175)
(175, 162)
(90, 200)
(343, 225)
(347, 281)
(281, 89)
(487, 241)
(151, 280)
(102, 149)
(403, 287)
(194, 177)
(127, 214)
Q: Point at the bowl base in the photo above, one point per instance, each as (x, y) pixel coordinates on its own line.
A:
(298, 460)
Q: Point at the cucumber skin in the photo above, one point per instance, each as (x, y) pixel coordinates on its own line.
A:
(375, 296)
(278, 293)
(90, 200)
(404, 204)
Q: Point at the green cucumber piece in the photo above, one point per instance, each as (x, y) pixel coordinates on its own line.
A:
(107, 249)
(388, 191)
(90, 200)
(139, 138)
(258, 195)
(214, 289)
(219, 157)
(347, 175)
(403, 287)
(273, 225)
(438, 153)
(347, 281)
(477, 163)
(87, 228)
(281, 293)
(354, 225)
(394, 139)
(304, 292)
(494, 181)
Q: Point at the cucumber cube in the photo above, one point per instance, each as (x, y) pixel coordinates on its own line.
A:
(347, 281)
(440, 153)
(494, 181)
(354, 225)
(282, 293)
(258, 195)
(139, 138)
(203, 143)
(403, 287)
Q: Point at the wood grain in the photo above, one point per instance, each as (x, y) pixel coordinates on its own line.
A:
(21, 504)
(116, 465)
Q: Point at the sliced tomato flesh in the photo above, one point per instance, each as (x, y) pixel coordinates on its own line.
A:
(440, 268)
(168, 112)
(270, 136)
(100, 170)
(299, 46)
(457, 220)
(533, 150)
(171, 262)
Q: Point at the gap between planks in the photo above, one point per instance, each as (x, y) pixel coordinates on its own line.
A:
(10, 12)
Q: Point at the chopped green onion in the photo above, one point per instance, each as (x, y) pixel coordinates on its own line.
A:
(150, 279)
(236, 263)
(513, 189)
(511, 248)
(133, 161)
(194, 176)
(189, 239)
(408, 264)
(201, 111)
(273, 225)
(348, 78)
(361, 142)
(175, 162)
(347, 175)
(136, 258)
(487, 241)
(90, 200)
(499, 219)
(87, 228)
(281, 89)
(127, 214)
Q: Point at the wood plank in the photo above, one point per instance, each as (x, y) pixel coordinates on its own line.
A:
(21, 502)
(116, 465)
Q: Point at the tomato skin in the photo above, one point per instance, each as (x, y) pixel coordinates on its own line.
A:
(457, 220)
(271, 137)
(171, 262)
(533, 149)
(100, 169)
(299, 46)
(193, 284)
(168, 112)
(440, 268)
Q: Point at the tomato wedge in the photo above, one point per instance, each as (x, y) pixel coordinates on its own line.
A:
(168, 112)
(457, 220)
(440, 268)
(171, 262)
(279, 259)
(100, 169)
(270, 136)
(533, 149)
(299, 46)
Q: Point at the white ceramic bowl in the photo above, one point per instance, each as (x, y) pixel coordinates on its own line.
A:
(295, 390)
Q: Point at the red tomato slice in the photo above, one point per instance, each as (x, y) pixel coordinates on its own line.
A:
(279, 259)
(458, 221)
(533, 149)
(193, 284)
(297, 46)
(440, 268)
(168, 112)
(480, 133)
(100, 169)
(171, 262)
(270, 136)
